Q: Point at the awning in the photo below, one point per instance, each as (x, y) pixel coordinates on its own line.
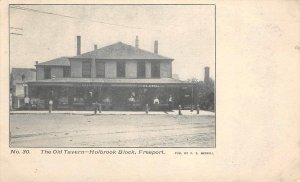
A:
(111, 82)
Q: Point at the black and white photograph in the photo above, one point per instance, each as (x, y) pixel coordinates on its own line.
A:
(109, 76)
(159, 91)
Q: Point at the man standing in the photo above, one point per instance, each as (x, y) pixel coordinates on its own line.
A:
(156, 100)
(26, 101)
(131, 102)
(50, 106)
(170, 103)
(156, 104)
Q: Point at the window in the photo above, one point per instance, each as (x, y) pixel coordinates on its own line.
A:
(23, 77)
(155, 70)
(100, 69)
(86, 69)
(26, 90)
(141, 68)
(121, 69)
(47, 72)
(66, 72)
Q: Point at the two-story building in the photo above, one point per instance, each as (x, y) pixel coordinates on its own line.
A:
(109, 75)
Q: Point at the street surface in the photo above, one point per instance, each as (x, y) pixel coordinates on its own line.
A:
(68, 130)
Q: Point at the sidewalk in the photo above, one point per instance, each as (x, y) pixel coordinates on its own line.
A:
(175, 112)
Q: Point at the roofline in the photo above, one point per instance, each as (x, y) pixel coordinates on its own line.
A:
(62, 57)
(33, 69)
(126, 59)
(121, 43)
(50, 65)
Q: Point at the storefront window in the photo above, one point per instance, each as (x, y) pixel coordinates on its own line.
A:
(63, 99)
(79, 95)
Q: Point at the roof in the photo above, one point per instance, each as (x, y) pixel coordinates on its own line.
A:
(62, 61)
(119, 51)
(23, 74)
(111, 80)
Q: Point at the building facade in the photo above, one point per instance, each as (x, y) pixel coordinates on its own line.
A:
(18, 85)
(111, 76)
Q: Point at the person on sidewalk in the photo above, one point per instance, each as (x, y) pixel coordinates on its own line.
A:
(131, 102)
(50, 106)
(107, 103)
(156, 104)
(170, 103)
(97, 107)
(27, 101)
(156, 100)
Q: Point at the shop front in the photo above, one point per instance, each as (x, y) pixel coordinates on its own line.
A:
(111, 96)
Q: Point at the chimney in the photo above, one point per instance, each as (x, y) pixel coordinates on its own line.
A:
(95, 47)
(206, 75)
(156, 47)
(78, 45)
(136, 42)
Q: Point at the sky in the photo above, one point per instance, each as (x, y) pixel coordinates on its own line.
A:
(184, 33)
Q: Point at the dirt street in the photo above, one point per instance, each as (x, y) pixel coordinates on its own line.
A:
(67, 130)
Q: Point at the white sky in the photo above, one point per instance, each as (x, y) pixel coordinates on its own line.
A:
(185, 33)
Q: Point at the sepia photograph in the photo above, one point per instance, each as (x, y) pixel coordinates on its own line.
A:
(109, 76)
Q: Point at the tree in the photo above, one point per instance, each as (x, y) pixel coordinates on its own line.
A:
(204, 93)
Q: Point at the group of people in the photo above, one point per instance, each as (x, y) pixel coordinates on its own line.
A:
(156, 102)
(29, 103)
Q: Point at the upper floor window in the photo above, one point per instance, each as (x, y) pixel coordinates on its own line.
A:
(155, 70)
(66, 72)
(86, 69)
(47, 72)
(121, 69)
(141, 69)
(100, 69)
(26, 90)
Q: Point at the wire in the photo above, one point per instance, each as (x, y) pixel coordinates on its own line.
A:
(72, 17)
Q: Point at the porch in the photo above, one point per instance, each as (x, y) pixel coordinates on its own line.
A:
(112, 96)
